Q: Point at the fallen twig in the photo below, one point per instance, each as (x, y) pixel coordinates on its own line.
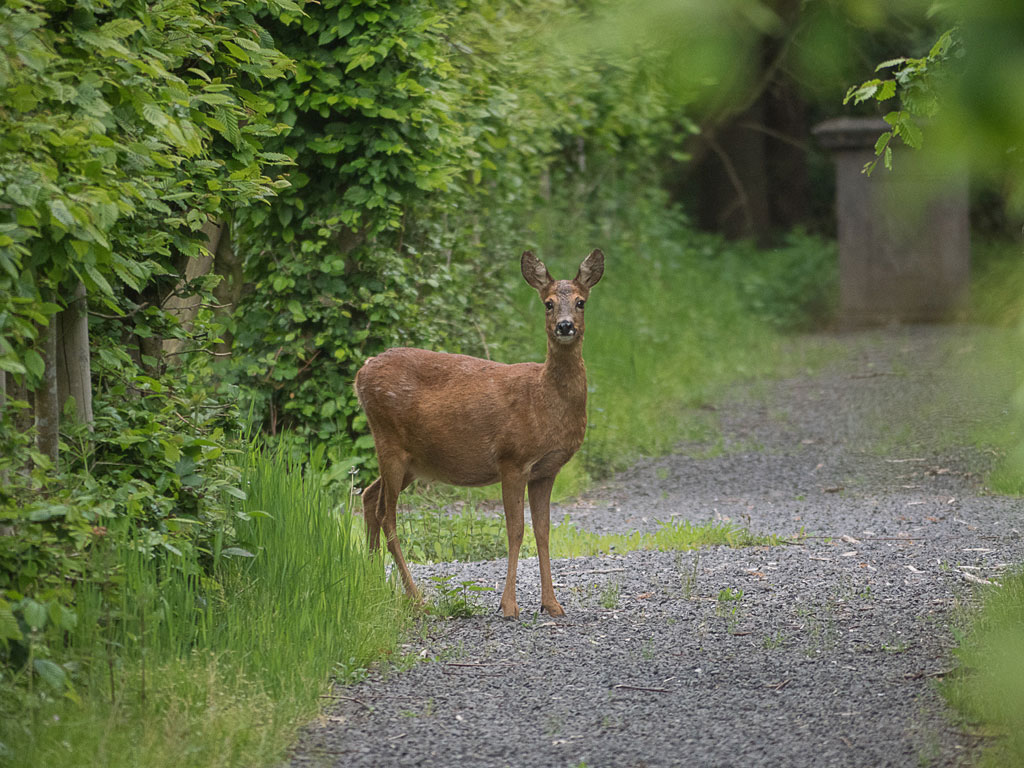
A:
(641, 688)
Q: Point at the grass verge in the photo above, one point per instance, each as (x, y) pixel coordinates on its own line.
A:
(432, 534)
(215, 666)
(988, 687)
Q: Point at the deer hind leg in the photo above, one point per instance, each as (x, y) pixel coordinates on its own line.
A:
(371, 499)
(512, 487)
(540, 513)
(393, 479)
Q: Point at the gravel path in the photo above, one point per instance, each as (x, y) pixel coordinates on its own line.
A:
(822, 653)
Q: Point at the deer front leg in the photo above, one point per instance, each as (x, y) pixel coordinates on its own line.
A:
(540, 513)
(512, 487)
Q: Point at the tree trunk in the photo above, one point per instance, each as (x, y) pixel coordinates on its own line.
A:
(74, 370)
(732, 183)
(184, 307)
(47, 404)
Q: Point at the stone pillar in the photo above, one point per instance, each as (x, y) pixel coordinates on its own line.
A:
(904, 236)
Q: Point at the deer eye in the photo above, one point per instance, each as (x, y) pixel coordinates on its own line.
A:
(549, 304)
(580, 303)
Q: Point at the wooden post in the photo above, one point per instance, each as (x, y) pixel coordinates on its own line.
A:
(74, 371)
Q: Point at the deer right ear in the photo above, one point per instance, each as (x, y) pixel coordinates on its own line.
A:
(535, 272)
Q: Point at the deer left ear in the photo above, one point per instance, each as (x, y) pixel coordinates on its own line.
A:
(591, 269)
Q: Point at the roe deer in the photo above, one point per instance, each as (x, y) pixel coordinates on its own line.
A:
(466, 421)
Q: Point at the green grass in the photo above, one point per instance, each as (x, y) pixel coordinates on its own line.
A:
(436, 535)
(988, 687)
(197, 670)
(672, 536)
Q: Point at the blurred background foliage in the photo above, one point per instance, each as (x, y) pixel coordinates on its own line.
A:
(248, 199)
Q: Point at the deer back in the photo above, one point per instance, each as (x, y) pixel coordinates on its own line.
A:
(461, 419)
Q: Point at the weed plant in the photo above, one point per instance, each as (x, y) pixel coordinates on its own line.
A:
(988, 687)
(457, 600)
(178, 662)
(431, 534)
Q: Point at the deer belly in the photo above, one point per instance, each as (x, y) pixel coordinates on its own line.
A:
(466, 465)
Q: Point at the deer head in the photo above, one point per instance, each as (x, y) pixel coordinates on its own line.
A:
(564, 300)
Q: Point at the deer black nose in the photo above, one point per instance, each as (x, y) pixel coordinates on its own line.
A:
(565, 328)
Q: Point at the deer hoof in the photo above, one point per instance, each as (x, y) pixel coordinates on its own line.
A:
(553, 608)
(509, 610)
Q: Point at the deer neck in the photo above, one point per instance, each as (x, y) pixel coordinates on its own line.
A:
(565, 373)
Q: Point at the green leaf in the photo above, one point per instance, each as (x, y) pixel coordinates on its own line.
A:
(910, 132)
(237, 552)
(882, 142)
(238, 493)
(120, 28)
(33, 362)
(11, 365)
(34, 613)
(890, 63)
(9, 629)
(172, 454)
(60, 212)
(98, 280)
(155, 115)
(50, 673)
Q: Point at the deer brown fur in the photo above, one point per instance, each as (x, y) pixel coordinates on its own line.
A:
(467, 421)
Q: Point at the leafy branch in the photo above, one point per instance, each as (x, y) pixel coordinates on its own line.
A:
(917, 84)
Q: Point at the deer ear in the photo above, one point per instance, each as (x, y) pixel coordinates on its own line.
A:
(591, 269)
(535, 272)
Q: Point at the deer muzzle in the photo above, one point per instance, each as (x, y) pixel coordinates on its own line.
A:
(565, 330)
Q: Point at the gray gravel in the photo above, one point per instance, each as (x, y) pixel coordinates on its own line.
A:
(828, 653)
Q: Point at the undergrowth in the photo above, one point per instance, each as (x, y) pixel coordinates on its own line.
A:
(176, 662)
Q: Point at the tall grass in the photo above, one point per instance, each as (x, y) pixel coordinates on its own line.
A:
(214, 666)
(988, 687)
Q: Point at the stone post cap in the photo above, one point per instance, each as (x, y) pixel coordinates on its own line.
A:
(841, 133)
